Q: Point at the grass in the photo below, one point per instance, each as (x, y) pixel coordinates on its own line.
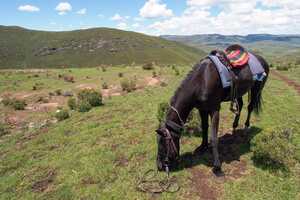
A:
(101, 154)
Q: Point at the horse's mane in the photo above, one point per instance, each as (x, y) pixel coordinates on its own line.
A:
(186, 80)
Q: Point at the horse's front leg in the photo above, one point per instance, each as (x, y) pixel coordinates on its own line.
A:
(204, 126)
(215, 118)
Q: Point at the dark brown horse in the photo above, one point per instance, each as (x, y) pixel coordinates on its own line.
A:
(202, 89)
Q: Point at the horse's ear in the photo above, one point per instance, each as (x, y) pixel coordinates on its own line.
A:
(159, 132)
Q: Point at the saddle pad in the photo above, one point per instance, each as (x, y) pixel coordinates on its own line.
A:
(256, 68)
(238, 58)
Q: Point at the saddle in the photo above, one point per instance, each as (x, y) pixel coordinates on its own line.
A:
(235, 57)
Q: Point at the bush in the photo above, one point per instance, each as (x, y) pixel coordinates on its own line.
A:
(148, 66)
(84, 106)
(120, 74)
(72, 103)
(58, 92)
(274, 149)
(91, 96)
(104, 86)
(154, 74)
(17, 104)
(282, 68)
(128, 85)
(61, 115)
(4, 129)
(162, 111)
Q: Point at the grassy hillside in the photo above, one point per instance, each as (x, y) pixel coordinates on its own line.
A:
(22, 48)
(274, 47)
(101, 154)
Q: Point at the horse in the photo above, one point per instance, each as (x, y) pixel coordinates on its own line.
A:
(202, 89)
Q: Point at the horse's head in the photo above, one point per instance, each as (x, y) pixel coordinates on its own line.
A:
(168, 147)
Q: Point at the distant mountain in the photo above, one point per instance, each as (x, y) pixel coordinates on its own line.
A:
(272, 46)
(23, 48)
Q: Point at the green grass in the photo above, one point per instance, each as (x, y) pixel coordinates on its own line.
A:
(23, 48)
(102, 153)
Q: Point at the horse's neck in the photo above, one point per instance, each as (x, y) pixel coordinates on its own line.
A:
(183, 107)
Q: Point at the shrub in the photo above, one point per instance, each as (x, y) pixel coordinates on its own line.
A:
(128, 85)
(274, 149)
(6, 101)
(58, 92)
(148, 66)
(103, 69)
(4, 129)
(154, 74)
(120, 74)
(84, 106)
(282, 68)
(61, 115)
(176, 70)
(162, 111)
(17, 104)
(104, 86)
(91, 96)
(72, 103)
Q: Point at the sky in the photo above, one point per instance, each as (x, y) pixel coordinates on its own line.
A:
(157, 17)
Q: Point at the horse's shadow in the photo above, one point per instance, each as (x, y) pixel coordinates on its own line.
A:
(231, 147)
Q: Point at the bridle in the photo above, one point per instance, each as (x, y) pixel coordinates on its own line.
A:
(172, 129)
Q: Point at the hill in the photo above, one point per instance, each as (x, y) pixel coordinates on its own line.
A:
(271, 46)
(23, 48)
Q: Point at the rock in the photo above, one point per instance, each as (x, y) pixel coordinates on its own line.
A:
(68, 94)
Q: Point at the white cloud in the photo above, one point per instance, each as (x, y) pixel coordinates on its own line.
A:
(116, 17)
(28, 8)
(136, 25)
(63, 8)
(122, 25)
(82, 11)
(237, 17)
(155, 9)
(100, 15)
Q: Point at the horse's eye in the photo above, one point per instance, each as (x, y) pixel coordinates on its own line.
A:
(160, 132)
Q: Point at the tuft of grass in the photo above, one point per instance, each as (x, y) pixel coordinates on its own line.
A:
(274, 149)
(84, 106)
(91, 96)
(17, 104)
(4, 129)
(61, 115)
(72, 103)
(128, 85)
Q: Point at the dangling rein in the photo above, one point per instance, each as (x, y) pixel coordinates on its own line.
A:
(149, 184)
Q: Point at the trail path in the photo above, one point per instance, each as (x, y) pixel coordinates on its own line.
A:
(288, 81)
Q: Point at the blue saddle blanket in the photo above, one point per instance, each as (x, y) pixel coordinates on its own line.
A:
(256, 68)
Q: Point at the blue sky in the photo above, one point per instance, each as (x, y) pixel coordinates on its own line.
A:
(156, 16)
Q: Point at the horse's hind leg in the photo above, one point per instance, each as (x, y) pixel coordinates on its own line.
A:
(255, 97)
(215, 118)
(237, 116)
(204, 126)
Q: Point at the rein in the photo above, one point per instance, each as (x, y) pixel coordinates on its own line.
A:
(148, 183)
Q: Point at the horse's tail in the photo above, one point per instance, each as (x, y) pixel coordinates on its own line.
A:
(255, 94)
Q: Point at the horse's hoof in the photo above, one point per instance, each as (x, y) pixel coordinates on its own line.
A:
(218, 171)
(201, 149)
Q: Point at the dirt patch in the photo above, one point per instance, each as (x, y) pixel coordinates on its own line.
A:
(288, 81)
(150, 81)
(89, 181)
(86, 86)
(204, 185)
(112, 91)
(121, 161)
(44, 183)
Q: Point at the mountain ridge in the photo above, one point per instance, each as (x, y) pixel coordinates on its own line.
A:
(26, 48)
